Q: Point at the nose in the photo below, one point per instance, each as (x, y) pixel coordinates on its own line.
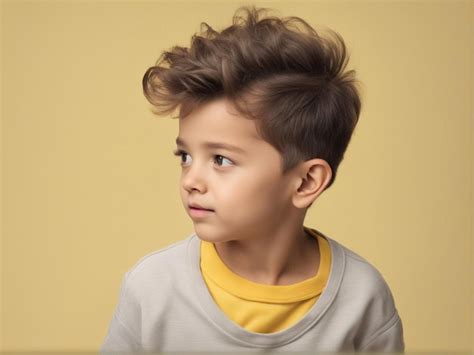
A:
(193, 179)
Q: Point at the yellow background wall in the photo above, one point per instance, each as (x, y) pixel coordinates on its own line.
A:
(89, 183)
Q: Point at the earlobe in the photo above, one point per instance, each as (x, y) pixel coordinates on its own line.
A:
(318, 174)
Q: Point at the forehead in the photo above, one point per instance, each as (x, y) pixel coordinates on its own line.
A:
(217, 121)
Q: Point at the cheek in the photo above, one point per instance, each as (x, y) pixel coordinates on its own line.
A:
(248, 193)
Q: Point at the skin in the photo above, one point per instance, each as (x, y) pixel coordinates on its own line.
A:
(258, 213)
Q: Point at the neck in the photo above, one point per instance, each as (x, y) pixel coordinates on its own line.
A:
(285, 256)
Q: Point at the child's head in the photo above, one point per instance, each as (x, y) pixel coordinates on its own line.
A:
(278, 73)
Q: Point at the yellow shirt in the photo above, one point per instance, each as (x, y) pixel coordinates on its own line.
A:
(258, 307)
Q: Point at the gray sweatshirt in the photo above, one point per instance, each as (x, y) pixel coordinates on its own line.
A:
(164, 306)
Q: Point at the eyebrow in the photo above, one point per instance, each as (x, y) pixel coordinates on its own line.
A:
(214, 145)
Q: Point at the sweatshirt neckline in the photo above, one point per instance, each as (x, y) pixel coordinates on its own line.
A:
(260, 340)
(239, 286)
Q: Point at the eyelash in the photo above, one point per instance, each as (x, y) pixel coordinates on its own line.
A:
(180, 152)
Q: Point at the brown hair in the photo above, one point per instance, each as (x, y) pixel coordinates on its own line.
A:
(291, 80)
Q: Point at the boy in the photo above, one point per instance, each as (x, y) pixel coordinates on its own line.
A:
(266, 113)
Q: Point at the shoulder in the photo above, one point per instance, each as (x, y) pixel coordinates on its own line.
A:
(352, 273)
(368, 298)
(167, 254)
(158, 268)
(363, 277)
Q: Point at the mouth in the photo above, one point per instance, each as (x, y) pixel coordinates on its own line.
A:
(199, 212)
(199, 208)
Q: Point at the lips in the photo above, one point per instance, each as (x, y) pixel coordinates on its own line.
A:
(199, 207)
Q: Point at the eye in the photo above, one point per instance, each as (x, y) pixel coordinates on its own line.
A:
(179, 153)
(223, 158)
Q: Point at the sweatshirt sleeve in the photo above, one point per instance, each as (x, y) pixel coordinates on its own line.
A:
(124, 328)
(389, 338)
(380, 328)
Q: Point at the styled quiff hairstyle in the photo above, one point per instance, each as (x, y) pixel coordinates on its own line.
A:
(286, 77)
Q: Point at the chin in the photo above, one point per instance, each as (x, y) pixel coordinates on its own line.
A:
(210, 237)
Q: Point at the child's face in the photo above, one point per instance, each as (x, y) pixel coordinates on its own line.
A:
(245, 189)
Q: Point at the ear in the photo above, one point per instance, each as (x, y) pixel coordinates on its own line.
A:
(313, 177)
